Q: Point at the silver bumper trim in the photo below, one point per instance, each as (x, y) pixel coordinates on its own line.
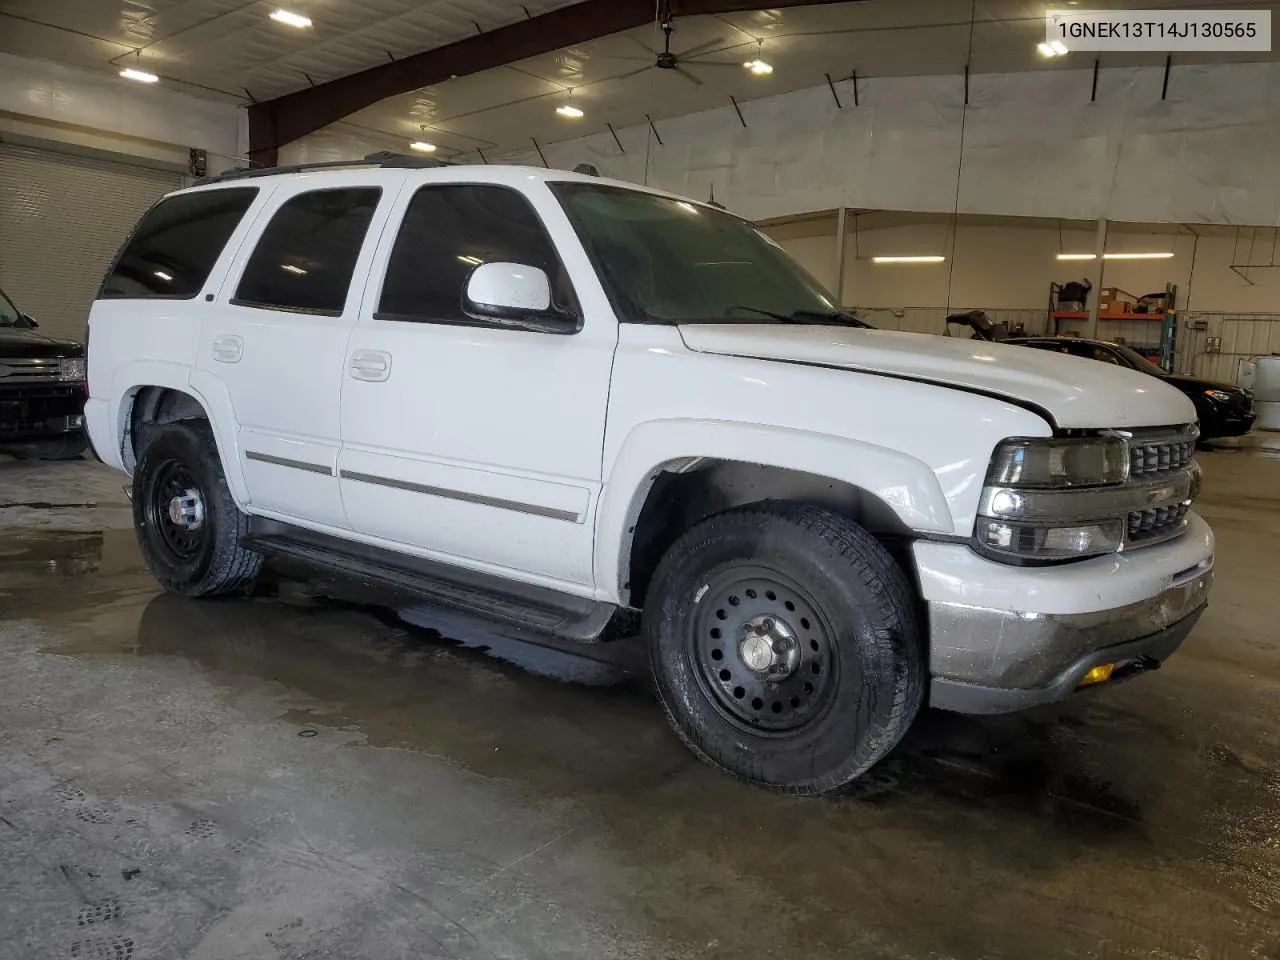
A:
(1011, 649)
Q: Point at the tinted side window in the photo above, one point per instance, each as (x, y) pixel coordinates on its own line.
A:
(450, 230)
(1047, 345)
(306, 255)
(175, 245)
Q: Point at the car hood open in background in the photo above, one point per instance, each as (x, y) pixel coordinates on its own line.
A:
(1076, 392)
(29, 345)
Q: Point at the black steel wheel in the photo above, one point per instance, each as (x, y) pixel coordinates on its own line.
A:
(784, 645)
(764, 651)
(189, 527)
(174, 502)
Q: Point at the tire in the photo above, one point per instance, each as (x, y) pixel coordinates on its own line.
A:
(195, 552)
(66, 449)
(840, 674)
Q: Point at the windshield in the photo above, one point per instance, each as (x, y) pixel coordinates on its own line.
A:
(671, 261)
(8, 312)
(1138, 361)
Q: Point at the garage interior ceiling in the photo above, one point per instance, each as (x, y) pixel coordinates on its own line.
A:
(223, 48)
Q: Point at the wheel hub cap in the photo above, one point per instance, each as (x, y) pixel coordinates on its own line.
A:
(187, 510)
(769, 648)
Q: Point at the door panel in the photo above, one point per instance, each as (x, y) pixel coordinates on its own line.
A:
(483, 444)
(277, 336)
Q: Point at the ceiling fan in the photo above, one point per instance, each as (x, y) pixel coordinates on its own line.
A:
(667, 59)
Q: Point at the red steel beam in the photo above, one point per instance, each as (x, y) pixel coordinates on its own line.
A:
(273, 123)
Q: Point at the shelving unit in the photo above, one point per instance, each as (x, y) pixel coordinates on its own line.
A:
(1167, 320)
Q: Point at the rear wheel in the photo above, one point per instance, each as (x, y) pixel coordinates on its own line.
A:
(784, 645)
(189, 527)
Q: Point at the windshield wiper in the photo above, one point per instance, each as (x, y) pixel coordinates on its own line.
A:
(781, 317)
(836, 316)
(808, 316)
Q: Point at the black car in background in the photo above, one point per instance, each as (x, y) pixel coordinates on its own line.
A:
(1224, 409)
(42, 390)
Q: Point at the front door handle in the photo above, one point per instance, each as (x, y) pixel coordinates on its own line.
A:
(228, 348)
(371, 365)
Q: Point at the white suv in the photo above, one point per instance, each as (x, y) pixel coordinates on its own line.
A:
(547, 403)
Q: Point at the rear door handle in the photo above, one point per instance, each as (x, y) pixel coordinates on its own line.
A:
(228, 348)
(371, 365)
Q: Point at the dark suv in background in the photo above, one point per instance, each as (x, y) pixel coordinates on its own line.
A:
(1224, 410)
(42, 390)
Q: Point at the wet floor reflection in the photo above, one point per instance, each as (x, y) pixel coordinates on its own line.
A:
(1106, 824)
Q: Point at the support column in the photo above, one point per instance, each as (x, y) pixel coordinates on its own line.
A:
(842, 218)
(1099, 248)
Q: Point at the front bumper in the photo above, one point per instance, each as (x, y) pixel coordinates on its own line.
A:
(1005, 638)
(34, 412)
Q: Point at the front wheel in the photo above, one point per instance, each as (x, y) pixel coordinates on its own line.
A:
(784, 646)
(189, 527)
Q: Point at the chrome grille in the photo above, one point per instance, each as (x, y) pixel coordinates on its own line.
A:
(1152, 455)
(1159, 523)
(23, 370)
(1160, 454)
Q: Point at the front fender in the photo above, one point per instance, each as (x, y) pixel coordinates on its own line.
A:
(908, 486)
(209, 391)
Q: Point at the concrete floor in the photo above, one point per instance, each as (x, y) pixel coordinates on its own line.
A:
(291, 777)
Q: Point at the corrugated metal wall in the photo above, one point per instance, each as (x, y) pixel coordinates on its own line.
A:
(62, 218)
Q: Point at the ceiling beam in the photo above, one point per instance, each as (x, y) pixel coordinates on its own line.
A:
(273, 123)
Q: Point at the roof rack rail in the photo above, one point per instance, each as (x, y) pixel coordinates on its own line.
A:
(384, 158)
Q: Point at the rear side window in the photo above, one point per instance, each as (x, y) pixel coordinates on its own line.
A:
(174, 247)
(450, 230)
(306, 256)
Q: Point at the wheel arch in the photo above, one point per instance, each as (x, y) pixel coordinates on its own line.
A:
(670, 475)
(165, 393)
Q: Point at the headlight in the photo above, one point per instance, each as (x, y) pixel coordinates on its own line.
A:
(1038, 541)
(1220, 396)
(1090, 462)
(71, 368)
(1068, 498)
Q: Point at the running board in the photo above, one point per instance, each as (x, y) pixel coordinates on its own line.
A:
(437, 591)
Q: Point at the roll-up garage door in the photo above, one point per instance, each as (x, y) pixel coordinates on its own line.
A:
(62, 218)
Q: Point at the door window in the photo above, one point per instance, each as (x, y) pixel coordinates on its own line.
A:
(174, 247)
(450, 230)
(305, 257)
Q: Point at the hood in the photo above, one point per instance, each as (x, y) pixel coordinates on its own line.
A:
(30, 345)
(1074, 391)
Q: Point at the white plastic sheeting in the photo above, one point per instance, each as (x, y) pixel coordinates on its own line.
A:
(50, 91)
(1033, 144)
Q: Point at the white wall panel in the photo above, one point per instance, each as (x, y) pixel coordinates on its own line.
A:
(51, 92)
(1034, 145)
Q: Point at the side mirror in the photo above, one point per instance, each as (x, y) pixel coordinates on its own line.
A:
(507, 291)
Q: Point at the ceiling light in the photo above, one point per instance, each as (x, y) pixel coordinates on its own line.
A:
(140, 75)
(1155, 255)
(568, 110)
(925, 259)
(1046, 50)
(290, 268)
(759, 68)
(422, 146)
(1059, 47)
(474, 261)
(162, 275)
(291, 19)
